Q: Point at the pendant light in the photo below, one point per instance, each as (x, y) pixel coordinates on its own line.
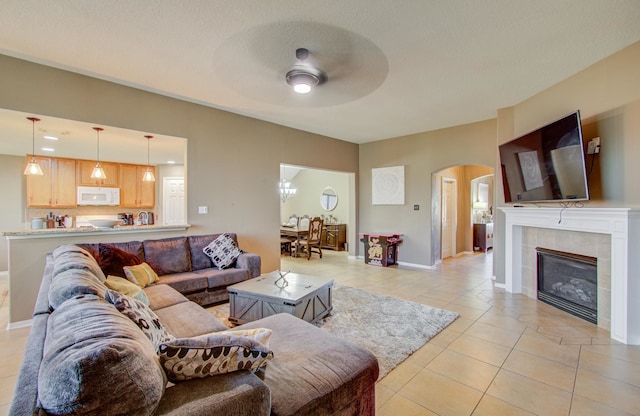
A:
(98, 172)
(148, 174)
(33, 168)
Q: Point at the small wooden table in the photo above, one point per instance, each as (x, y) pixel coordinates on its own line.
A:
(307, 297)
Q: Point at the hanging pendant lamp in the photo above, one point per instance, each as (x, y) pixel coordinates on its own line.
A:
(98, 172)
(148, 174)
(33, 168)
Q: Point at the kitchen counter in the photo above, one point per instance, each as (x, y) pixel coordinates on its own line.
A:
(69, 232)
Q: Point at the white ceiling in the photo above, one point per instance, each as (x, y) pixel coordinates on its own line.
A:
(394, 68)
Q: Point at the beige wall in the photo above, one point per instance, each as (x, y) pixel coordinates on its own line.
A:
(13, 187)
(232, 161)
(608, 97)
(422, 155)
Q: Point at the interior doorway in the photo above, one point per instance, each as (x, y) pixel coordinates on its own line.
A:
(173, 202)
(448, 223)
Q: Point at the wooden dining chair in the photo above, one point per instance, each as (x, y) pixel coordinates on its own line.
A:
(311, 243)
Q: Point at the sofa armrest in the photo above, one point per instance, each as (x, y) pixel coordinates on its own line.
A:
(239, 393)
(251, 262)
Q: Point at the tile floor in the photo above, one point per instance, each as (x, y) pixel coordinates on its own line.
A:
(506, 354)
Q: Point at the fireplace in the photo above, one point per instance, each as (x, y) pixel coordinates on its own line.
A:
(569, 282)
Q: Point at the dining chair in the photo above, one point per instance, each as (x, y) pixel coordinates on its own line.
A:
(311, 243)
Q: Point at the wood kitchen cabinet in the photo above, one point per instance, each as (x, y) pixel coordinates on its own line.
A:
(482, 236)
(134, 192)
(334, 236)
(56, 188)
(111, 170)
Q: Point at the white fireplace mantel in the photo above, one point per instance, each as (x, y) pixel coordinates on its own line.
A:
(623, 224)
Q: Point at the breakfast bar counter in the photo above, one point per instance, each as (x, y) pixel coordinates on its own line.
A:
(68, 232)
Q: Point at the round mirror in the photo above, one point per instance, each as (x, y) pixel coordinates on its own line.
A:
(329, 199)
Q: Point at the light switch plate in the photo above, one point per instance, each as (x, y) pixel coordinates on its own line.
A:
(203, 210)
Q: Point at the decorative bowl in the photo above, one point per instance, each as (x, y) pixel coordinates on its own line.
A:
(105, 223)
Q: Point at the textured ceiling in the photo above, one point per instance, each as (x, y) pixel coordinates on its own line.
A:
(394, 68)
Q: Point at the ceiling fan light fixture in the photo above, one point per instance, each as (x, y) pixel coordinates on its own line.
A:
(303, 77)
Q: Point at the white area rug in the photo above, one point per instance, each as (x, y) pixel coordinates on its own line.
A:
(391, 328)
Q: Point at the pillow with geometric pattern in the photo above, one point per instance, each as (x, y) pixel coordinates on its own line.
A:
(141, 315)
(216, 353)
(223, 251)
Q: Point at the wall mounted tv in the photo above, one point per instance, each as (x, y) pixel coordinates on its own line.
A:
(547, 164)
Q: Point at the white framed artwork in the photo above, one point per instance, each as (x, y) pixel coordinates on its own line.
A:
(387, 186)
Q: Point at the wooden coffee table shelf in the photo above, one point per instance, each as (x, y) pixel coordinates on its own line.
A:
(307, 297)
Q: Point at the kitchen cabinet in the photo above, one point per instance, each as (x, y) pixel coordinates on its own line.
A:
(56, 188)
(334, 236)
(111, 171)
(483, 236)
(134, 192)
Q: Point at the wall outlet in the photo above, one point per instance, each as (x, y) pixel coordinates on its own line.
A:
(593, 146)
(203, 210)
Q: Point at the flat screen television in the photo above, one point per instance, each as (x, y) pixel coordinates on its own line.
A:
(547, 164)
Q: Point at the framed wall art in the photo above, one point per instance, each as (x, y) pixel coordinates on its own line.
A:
(387, 185)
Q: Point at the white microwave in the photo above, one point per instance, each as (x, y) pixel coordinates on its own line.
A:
(93, 195)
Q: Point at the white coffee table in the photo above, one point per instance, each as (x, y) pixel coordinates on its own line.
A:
(307, 297)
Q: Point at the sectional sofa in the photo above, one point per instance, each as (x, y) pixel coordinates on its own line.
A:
(85, 355)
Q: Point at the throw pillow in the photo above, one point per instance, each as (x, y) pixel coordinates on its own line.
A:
(126, 287)
(141, 274)
(112, 259)
(141, 315)
(212, 354)
(223, 251)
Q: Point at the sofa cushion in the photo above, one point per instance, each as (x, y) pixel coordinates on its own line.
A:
(69, 248)
(71, 283)
(141, 274)
(168, 255)
(223, 278)
(185, 282)
(89, 349)
(126, 287)
(161, 296)
(188, 319)
(213, 354)
(76, 260)
(113, 260)
(223, 251)
(141, 315)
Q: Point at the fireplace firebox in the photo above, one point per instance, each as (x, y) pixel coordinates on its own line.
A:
(568, 282)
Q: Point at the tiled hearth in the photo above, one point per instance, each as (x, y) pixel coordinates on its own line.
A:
(610, 234)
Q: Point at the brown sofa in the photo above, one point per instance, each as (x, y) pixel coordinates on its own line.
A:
(181, 264)
(85, 357)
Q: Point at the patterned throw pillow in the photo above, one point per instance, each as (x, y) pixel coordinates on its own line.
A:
(141, 315)
(223, 251)
(142, 274)
(212, 354)
(122, 285)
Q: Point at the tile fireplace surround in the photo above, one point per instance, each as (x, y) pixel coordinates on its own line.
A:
(623, 227)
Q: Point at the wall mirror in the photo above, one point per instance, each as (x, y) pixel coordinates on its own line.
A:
(329, 199)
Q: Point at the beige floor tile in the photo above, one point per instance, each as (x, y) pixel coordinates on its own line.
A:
(480, 349)
(581, 406)
(7, 385)
(424, 355)
(530, 395)
(502, 336)
(4, 409)
(490, 406)
(383, 394)
(399, 405)
(544, 347)
(542, 370)
(445, 338)
(613, 393)
(400, 375)
(441, 395)
(464, 369)
(629, 353)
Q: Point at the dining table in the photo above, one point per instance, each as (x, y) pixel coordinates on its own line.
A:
(287, 231)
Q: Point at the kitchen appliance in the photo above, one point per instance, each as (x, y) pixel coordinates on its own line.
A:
(93, 195)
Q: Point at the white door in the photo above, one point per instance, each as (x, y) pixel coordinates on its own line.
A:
(173, 201)
(449, 212)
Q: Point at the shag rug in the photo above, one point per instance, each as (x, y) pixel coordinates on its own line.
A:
(391, 328)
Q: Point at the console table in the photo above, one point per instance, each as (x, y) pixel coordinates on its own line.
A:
(334, 236)
(381, 249)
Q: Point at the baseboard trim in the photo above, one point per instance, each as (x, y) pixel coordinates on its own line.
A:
(416, 266)
(19, 324)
